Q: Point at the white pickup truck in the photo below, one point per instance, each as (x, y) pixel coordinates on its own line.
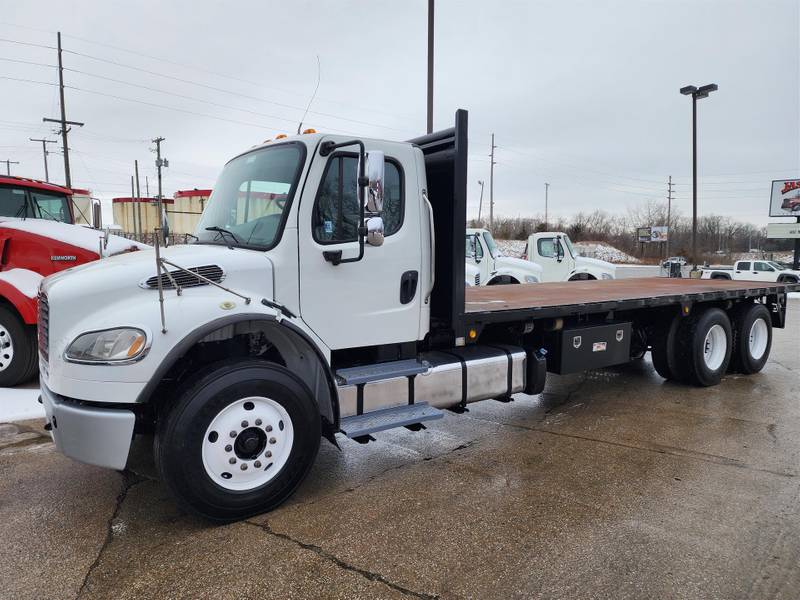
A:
(753, 270)
(494, 268)
(325, 296)
(554, 252)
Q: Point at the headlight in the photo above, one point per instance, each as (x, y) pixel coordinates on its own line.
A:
(111, 345)
(531, 279)
(606, 276)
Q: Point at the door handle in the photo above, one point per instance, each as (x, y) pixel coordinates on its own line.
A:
(408, 286)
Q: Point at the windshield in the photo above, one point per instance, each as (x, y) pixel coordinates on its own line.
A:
(491, 245)
(778, 266)
(25, 203)
(252, 196)
(568, 243)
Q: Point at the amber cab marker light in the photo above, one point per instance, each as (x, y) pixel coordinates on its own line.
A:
(309, 130)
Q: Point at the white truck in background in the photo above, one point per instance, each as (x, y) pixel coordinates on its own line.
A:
(553, 251)
(753, 270)
(494, 268)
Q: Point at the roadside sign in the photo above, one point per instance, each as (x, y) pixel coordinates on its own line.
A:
(643, 233)
(785, 198)
(783, 230)
(659, 233)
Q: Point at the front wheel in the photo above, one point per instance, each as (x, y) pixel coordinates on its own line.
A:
(704, 346)
(18, 356)
(239, 441)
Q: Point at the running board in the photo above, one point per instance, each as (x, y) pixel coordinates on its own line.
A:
(375, 372)
(388, 418)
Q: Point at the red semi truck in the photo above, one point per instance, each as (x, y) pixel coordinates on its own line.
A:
(38, 237)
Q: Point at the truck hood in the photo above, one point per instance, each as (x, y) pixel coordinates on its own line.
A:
(583, 261)
(73, 235)
(510, 262)
(124, 276)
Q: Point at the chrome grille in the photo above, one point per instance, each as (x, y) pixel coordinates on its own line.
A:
(43, 329)
(185, 278)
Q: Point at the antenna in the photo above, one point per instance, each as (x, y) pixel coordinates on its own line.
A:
(314, 95)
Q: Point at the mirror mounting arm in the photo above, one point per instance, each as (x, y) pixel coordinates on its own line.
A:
(324, 150)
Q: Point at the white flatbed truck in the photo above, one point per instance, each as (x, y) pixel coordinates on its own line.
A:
(326, 296)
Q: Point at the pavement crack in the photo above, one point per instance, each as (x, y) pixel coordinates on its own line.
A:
(128, 481)
(321, 552)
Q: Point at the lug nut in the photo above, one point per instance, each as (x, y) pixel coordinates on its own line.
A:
(244, 423)
(243, 467)
(233, 434)
(257, 464)
(272, 440)
(268, 454)
(228, 448)
(232, 460)
(258, 422)
(268, 428)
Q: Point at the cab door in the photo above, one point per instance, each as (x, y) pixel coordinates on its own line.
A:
(554, 258)
(376, 300)
(764, 272)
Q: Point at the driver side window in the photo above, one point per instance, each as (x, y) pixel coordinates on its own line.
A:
(336, 210)
(547, 247)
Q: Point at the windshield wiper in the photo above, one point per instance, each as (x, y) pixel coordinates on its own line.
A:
(223, 232)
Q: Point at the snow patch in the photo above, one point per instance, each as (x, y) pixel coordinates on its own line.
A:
(596, 250)
(24, 280)
(20, 403)
(74, 235)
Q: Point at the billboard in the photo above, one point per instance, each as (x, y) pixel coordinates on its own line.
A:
(656, 233)
(659, 234)
(785, 198)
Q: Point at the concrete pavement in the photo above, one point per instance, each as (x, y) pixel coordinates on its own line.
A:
(611, 484)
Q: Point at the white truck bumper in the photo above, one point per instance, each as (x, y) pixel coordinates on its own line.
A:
(97, 436)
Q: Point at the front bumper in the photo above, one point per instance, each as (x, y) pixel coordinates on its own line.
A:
(97, 436)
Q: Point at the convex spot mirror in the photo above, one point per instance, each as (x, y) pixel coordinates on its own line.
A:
(375, 231)
(375, 175)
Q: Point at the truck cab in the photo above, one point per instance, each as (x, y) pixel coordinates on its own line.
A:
(554, 252)
(38, 238)
(494, 267)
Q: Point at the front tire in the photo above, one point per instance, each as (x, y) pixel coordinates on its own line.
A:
(18, 355)
(239, 441)
(752, 338)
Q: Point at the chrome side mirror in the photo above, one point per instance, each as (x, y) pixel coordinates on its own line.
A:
(97, 214)
(375, 231)
(375, 175)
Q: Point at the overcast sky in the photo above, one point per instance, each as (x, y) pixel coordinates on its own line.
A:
(583, 95)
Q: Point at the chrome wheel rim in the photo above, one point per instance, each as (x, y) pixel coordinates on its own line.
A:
(247, 443)
(6, 348)
(714, 347)
(758, 338)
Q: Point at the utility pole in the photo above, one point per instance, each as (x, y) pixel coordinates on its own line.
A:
(44, 154)
(669, 212)
(133, 208)
(546, 194)
(480, 202)
(491, 186)
(63, 120)
(160, 162)
(430, 66)
(146, 187)
(8, 165)
(138, 196)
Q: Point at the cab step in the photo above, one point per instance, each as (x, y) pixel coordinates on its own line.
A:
(375, 372)
(411, 414)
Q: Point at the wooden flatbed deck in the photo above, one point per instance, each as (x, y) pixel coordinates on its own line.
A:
(510, 302)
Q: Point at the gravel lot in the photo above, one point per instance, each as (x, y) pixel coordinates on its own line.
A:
(610, 484)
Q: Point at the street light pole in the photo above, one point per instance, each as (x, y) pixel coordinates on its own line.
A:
(480, 202)
(546, 190)
(696, 93)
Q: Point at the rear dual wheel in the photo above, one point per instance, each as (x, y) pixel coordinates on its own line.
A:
(752, 338)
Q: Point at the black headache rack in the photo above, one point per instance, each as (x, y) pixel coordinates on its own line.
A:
(446, 169)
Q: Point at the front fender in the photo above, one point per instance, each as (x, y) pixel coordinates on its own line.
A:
(24, 305)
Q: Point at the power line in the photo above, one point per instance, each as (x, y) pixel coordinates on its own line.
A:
(26, 44)
(28, 80)
(8, 165)
(229, 92)
(27, 62)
